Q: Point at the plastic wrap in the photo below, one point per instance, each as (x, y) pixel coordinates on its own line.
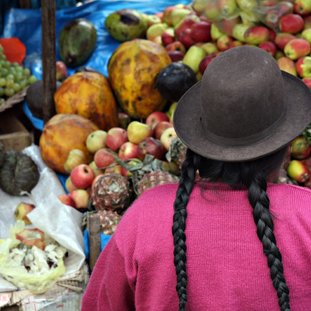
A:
(64, 226)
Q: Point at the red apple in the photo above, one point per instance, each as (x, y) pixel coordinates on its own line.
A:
(156, 117)
(201, 32)
(22, 210)
(307, 82)
(175, 56)
(160, 127)
(167, 136)
(303, 67)
(67, 199)
(300, 148)
(176, 46)
(82, 176)
(103, 158)
(61, 71)
(152, 146)
(204, 63)
(282, 39)
(286, 64)
(291, 23)
(297, 48)
(302, 7)
(183, 31)
(116, 136)
(224, 42)
(269, 47)
(256, 35)
(272, 35)
(298, 171)
(129, 150)
(168, 36)
(81, 198)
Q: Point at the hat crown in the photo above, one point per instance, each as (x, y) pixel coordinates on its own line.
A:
(241, 95)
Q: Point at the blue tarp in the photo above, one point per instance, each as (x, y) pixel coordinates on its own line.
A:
(26, 25)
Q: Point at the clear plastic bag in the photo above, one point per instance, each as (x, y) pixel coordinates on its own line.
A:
(16, 273)
(267, 12)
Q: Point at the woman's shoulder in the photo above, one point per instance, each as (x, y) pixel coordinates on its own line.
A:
(291, 199)
(290, 190)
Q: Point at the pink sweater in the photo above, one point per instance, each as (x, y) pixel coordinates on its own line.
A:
(226, 268)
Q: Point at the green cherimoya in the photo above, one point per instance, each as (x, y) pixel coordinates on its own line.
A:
(77, 42)
(124, 25)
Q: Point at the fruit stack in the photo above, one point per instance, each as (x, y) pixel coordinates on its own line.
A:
(197, 33)
(299, 165)
(124, 162)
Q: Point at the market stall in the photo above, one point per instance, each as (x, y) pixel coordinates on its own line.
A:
(98, 84)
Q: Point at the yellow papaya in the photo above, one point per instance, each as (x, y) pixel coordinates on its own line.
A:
(132, 70)
(89, 95)
(61, 134)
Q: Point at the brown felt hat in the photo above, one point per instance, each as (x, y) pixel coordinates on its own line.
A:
(244, 107)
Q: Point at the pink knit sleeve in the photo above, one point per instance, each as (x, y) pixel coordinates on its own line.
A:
(109, 288)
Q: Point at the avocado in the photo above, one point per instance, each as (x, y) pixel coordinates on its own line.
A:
(174, 80)
(77, 42)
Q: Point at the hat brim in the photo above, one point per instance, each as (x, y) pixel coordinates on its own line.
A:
(189, 129)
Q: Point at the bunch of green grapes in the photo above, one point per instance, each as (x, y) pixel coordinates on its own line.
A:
(13, 77)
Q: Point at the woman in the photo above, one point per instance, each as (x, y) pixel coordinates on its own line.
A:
(235, 240)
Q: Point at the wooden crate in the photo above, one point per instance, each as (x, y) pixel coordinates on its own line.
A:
(13, 134)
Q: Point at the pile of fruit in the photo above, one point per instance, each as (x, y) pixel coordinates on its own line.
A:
(113, 135)
(197, 33)
(121, 163)
(13, 77)
(298, 165)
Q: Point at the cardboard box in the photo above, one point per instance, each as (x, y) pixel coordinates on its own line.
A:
(13, 134)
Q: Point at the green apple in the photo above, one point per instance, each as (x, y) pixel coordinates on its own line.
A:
(178, 15)
(239, 31)
(306, 34)
(155, 30)
(171, 111)
(209, 48)
(216, 32)
(96, 140)
(193, 57)
(95, 169)
(138, 131)
(167, 136)
(74, 158)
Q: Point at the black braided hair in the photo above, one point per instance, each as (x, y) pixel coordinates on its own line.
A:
(259, 200)
(186, 183)
(252, 175)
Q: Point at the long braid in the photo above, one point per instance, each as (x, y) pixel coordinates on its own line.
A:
(186, 184)
(260, 202)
